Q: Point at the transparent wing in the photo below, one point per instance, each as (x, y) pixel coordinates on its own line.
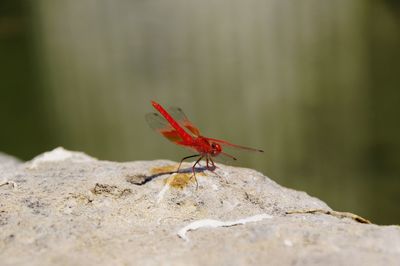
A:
(161, 125)
(226, 143)
(178, 114)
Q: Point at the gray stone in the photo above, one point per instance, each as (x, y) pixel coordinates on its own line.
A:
(8, 161)
(67, 208)
(8, 164)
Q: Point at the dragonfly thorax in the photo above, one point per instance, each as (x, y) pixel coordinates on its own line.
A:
(204, 146)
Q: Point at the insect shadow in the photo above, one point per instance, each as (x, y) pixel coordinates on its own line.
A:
(149, 178)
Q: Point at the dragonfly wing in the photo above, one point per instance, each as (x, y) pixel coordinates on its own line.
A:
(226, 143)
(178, 114)
(224, 158)
(161, 125)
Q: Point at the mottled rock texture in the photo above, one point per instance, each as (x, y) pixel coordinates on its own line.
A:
(66, 208)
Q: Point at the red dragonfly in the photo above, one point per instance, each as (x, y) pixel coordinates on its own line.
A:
(172, 126)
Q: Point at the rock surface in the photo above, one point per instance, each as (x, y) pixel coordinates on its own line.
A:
(7, 161)
(67, 208)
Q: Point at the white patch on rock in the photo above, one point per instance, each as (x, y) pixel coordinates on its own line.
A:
(210, 223)
(166, 187)
(288, 243)
(59, 154)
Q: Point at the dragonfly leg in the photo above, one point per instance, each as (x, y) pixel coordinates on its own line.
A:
(213, 164)
(213, 170)
(210, 164)
(187, 157)
(194, 171)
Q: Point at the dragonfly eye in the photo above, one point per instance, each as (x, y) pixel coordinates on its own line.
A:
(216, 148)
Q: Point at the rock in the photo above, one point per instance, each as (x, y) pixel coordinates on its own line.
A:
(59, 154)
(8, 161)
(7, 166)
(68, 208)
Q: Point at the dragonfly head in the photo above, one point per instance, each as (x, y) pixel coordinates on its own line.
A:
(215, 149)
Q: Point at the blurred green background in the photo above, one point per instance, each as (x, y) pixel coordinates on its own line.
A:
(313, 83)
